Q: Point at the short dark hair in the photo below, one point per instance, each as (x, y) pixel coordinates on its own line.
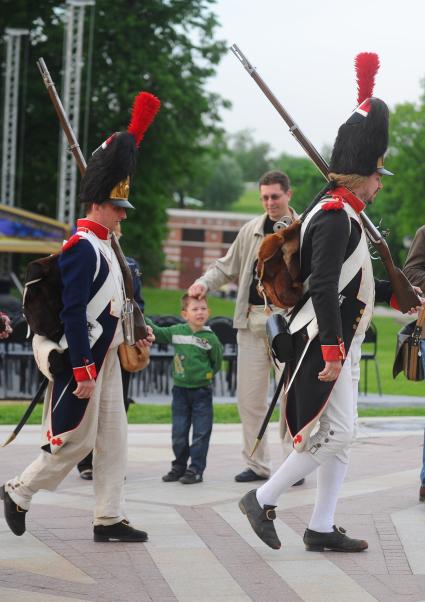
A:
(186, 299)
(87, 207)
(275, 177)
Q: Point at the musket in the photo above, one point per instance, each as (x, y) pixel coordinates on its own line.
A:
(403, 290)
(139, 321)
(28, 412)
(74, 147)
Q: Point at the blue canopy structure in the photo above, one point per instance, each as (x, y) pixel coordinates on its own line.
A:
(26, 232)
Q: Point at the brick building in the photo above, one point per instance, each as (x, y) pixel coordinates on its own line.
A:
(195, 240)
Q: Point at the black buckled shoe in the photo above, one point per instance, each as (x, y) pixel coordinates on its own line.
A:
(336, 541)
(122, 531)
(261, 519)
(248, 475)
(14, 514)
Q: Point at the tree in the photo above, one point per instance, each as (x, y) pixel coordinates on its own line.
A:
(400, 206)
(167, 48)
(306, 180)
(225, 184)
(253, 157)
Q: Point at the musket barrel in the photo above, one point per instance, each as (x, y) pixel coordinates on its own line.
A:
(74, 147)
(293, 127)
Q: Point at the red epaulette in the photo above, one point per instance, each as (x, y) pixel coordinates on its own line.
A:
(71, 242)
(336, 204)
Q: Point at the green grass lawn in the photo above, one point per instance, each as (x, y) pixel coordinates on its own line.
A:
(249, 202)
(11, 412)
(168, 302)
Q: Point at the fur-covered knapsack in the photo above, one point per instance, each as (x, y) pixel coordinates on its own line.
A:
(42, 299)
(278, 266)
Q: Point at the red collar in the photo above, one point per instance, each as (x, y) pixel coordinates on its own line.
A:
(350, 198)
(84, 225)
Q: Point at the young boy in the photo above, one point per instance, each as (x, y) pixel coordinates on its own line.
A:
(197, 357)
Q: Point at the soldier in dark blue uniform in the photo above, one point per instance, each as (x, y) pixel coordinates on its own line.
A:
(84, 407)
(85, 467)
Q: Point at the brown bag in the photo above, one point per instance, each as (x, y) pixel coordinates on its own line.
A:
(408, 353)
(278, 267)
(133, 359)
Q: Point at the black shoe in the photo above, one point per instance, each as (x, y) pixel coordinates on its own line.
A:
(337, 541)
(190, 478)
(248, 475)
(173, 475)
(261, 519)
(87, 474)
(422, 494)
(300, 482)
(118, 532)
(14, 514)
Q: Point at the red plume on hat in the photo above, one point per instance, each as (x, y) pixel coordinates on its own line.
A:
(367, 65)
(107, 178)
(363, 139)
(145, 107)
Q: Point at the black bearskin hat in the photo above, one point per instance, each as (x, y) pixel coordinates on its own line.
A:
(363, 139)
(111, 166)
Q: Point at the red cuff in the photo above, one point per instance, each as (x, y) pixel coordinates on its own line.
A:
(87, 372)
(332, 353)
(394, 303)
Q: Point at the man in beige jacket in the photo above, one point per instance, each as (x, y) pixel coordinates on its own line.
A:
(254, 362)
(414, 269)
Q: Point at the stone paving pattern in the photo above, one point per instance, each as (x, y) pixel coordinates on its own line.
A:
(201, 548)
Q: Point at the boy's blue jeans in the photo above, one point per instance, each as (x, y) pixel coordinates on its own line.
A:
(191, 407)
(423, 456)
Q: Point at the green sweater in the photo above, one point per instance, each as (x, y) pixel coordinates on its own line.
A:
(197, 355)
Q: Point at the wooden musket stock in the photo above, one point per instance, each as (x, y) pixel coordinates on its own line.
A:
(403, 290)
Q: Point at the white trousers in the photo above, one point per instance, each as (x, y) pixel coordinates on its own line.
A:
(103, 429)
(337, 424)
(253, 374)
(328, 448)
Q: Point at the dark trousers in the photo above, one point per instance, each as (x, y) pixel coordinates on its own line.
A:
(87, 462)
(191, 407)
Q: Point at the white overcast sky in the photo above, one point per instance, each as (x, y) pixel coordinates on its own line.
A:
(304, 50)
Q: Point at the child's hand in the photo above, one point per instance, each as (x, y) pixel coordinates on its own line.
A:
(147, 341)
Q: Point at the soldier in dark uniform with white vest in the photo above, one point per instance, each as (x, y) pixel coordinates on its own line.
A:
(331, 318)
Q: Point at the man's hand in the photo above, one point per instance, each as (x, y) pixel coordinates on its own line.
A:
(146, 342)
(197, 290)
(415, 310)
(331, 371)
(85, 389)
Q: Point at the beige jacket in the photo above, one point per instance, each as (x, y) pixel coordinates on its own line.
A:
(414, 268)
(237, 266)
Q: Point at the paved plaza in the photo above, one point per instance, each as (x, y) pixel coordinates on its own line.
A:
(201, 547)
